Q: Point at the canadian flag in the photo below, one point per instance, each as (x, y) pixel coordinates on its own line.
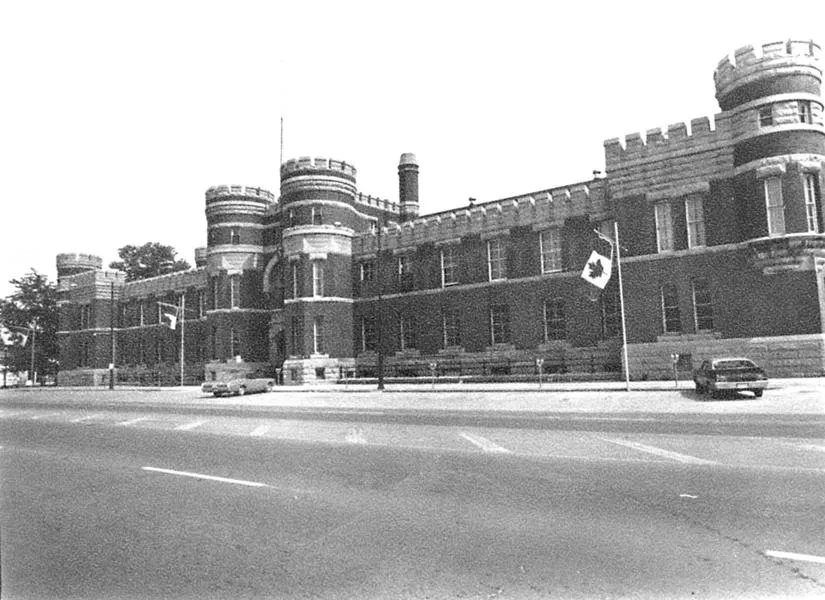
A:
(597, 270)
(170, 320)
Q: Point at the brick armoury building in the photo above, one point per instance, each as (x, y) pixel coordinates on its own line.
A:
(723, 253)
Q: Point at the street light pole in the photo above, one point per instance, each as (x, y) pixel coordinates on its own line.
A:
(112, 335)
(34, 336)
(380, 313)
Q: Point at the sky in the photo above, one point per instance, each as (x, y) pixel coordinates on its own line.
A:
(117, 116)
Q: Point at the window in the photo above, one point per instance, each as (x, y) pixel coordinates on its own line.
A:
(235, 291)
(664, 227)
(368, 336)
(85, 316)
(234, 342)
(368, 271)
(407, 331)
(373, 226)
(215, 293)
(550, 248)
(318, 335)
(500, 324)
(295, 279)
(142, 309)
(671, 320)
(296, 336)
(496, 260)
(290, 218)
(317, 215)
(201, 304)
(235, 235)
(213, 342)
(695, 215)
(702, 305)
(809, 185)
(775, 206)
(123, 319)
(449, 266)
(317, 278)
(765, 116)
(554, 323)
(451, 328)
(611, 314)
(405, 276)
(804, 108)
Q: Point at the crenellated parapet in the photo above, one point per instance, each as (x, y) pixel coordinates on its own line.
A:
(751, 63)
(380, 203)
(91, 285)
(176, 282)
(69, 264)
(305, 163)
(546, 208)
(663, 161)
(220, 192)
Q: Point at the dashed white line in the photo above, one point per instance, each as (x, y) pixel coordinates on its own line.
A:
(209, 477)
(682, 458)
(132, 421)
(794, 556)
(260, 430)
(36, 417)
(191, 425)
(85, 418)
(484, 443)
(813, 447)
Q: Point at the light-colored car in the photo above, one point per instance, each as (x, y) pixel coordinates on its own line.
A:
(239, 387)
(721, 375)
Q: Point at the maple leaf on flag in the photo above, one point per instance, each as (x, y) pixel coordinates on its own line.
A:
(596, 269)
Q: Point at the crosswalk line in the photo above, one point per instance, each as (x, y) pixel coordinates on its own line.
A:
(682, 458)
(484, 443)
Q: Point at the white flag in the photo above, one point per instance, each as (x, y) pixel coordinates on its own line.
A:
(597, 270)
(170, 320)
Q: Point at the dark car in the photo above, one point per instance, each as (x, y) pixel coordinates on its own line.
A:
(729, 375)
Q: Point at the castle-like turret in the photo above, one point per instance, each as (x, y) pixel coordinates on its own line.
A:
(69, 264)
(234, 266)
(774, 98)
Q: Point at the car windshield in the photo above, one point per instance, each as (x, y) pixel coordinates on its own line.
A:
(737, 363)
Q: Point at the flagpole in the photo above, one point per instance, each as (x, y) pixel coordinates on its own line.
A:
(182, 330)
(621, 304)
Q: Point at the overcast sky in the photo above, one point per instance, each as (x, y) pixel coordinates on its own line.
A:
(117, 116)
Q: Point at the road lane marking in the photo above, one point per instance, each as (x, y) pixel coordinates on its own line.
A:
(260, 430)
(191, 425)
(86, 418)
(484, 443)
(36, 417)
(209, 477)
(794, 556)
(813, 447)
(682, 458)
(132, 421)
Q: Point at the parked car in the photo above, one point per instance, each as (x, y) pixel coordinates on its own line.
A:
(721, 375)
(206, 387)
(239, 387)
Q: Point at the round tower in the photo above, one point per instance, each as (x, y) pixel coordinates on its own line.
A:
(319, 218)
(408, 186)
(71, 264)
(772, 95)
(234, 262)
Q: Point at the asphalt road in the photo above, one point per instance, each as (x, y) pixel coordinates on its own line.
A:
(136, 502)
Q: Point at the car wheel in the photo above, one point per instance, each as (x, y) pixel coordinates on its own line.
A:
(241, 391)
(700, 389)
(715, 394)
(757, 393)
(270, 387)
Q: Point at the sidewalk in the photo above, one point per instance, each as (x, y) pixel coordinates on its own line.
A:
(804, 396)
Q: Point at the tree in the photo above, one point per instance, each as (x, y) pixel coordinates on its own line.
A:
(32, 307)
(149, 260)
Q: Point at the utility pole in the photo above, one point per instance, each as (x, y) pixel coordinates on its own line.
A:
(34, 336)
(182, 336)
(380, 313)
(621, 304)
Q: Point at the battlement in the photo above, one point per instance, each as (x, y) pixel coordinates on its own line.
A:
(305, 163)
(72, 263)
(220, 191)
(385, 205)
(677, 137)
(750, 62)
(546, 208)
